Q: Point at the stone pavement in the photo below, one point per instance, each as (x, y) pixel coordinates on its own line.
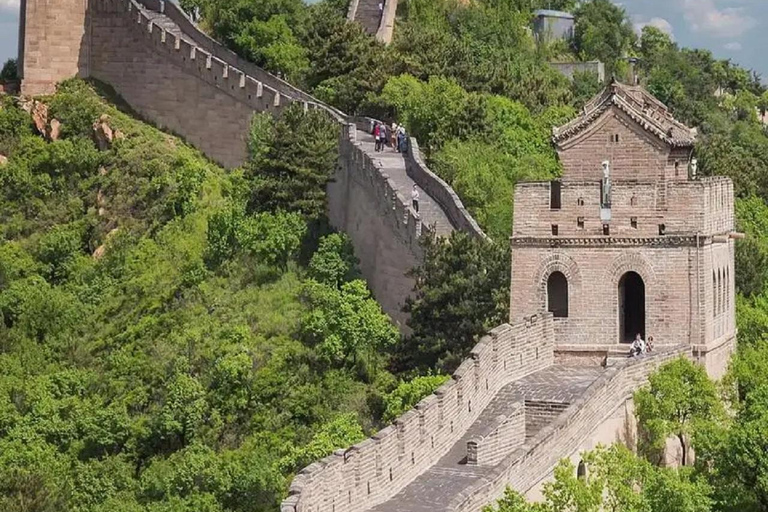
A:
(433, 490)
(369, 15)
(393, 164)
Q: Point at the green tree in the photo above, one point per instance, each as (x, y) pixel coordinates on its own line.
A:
(292, 159)
(408, 393)
(462, 291)
(680, 396)
(9, 71)
(346, 324)
(334, 262)
(603, 32)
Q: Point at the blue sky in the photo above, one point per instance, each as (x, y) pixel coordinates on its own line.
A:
(734, 29)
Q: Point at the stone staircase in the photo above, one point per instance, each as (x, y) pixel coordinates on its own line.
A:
(369, 15)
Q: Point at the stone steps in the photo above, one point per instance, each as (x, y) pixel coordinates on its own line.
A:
(369, 15)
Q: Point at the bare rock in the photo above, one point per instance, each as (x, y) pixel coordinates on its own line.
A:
(55, 129)
(102, 249)
(119, 135)
(102, 171)
(40, 117)
(102, 133)
(99, 252)
(100, 199)
(3, 160)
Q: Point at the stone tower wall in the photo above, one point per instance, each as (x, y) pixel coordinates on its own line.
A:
(636, 155)
(54, 43)
(702, 206)
(593, 275)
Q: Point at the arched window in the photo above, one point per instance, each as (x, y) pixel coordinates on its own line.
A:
(714, 293)
(719, 292)
(557, 295)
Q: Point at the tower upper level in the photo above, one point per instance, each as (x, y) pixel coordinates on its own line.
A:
(626, 126)
(628, 172)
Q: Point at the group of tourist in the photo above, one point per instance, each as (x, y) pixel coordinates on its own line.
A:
(390, 136)
(640, 346)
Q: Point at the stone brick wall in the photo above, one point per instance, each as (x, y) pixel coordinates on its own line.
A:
(54, 43)
(383, 227)
(509, 433)
(376, 469)
(535, 460)
(440, 191)
(638, 208)
(540, 413)
(636, 155)
(593, 274)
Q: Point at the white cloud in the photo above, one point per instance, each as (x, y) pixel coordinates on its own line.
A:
(9, 5)
(706, 17)
(733, 46)
(660, 23)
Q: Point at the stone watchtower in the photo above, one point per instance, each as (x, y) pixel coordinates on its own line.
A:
(630, 240)
(53, 43)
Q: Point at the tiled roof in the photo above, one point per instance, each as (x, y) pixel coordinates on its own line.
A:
(639, 105)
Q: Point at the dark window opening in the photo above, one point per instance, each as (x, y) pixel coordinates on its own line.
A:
(662, 229)
(677, 169)
(555, 195)
(606, 229)
(580, 201)
(557, 295)
(631, 307)
(554, 229)
(633, 222)
(581, 471)
(580, 222)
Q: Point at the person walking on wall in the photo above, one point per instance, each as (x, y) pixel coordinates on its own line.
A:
(401, 139)
(393, 135)
(415, 197)
(377, 137)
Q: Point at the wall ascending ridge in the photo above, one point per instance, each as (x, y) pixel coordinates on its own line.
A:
(177, 77)
(376, 469)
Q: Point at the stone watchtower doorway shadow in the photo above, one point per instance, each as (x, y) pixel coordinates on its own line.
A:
(631, 307)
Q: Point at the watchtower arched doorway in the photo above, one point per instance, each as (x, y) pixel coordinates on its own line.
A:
(557, 295)
(631, 306)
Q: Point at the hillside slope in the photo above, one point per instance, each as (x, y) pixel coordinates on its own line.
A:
(164, 345)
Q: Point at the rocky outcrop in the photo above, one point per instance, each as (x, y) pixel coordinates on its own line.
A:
(103, 135)
(3, 160)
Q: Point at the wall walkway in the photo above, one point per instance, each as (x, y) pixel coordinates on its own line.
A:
(182, 80)
(511, 414)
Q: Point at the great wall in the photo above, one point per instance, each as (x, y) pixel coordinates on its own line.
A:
(643, 245)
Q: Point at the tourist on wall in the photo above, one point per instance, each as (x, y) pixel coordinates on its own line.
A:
(415, 197)
(638, 346)
(377, 137)
(393, 135)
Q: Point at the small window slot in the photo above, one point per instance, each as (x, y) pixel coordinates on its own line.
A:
(555, 195)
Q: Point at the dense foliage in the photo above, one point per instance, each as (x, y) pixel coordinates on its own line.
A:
(162, 346)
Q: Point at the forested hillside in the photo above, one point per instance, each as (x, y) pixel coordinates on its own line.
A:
(174, 337)
(178, 338)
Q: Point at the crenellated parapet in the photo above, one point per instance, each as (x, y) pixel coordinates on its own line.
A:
(523, 468)
(376, 469)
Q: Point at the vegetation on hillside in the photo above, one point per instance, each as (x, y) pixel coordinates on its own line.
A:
(174, 337)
